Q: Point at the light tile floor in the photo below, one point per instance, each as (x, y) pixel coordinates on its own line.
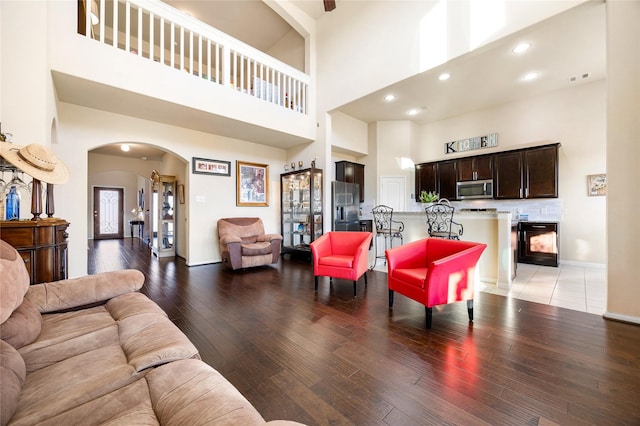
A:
(581, 288)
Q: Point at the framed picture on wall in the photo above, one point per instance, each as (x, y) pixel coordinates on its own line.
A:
(252, 184)
(596, 185)
(210, 167)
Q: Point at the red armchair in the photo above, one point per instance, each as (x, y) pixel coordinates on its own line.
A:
(434, 271)
(341, 255)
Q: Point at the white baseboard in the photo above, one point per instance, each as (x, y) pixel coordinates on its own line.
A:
(622, 318)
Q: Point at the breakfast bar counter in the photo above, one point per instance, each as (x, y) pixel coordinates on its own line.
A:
(497, 264)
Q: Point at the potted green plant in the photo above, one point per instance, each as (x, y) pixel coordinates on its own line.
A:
(429, 197)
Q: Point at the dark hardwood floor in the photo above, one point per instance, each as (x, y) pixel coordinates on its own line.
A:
(328, 358)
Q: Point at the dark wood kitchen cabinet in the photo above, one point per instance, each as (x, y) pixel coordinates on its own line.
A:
(42, 244)
(507, 175)
(426, 178)
(349, 172)
(475, 168)
(540, 172)
(527, 173)
(447, 179)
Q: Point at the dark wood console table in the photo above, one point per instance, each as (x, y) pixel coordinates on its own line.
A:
(140, 224)
(42, 245)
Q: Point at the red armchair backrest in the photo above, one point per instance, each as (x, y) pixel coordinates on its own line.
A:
(345, 243)
(438, 248)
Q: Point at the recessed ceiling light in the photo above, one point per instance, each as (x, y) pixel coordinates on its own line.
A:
(522, 47)
(413, 111)
(389, 97)
(124, 147)
(444, 76)
(530, 76)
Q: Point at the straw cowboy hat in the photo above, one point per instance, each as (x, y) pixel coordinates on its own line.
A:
(37, 161)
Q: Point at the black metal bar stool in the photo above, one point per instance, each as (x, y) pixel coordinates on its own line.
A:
(440, 221)
(387, 228)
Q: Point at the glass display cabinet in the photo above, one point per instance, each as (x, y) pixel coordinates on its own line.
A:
(301, 195)
(162, 214)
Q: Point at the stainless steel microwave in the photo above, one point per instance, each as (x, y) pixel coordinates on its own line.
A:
(472, 189)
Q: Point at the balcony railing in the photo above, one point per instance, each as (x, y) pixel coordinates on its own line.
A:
(158, 32)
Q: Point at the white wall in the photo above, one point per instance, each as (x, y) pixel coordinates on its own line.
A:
(623, 157)
(82, 129)
(364, 46)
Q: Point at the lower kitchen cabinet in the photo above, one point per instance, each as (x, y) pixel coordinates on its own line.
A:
(538, 243)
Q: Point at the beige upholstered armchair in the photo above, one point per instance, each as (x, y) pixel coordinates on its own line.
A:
(243, 243)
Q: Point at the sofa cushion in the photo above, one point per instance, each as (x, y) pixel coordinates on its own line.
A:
(12, 376)
(14, 279)
(256, 249)
(23, 326)
(414, 276)
(129, 405)
(337, 260)
(150, 340)
(182, 388)
(131, 304)
(72, 382)
(68, 334)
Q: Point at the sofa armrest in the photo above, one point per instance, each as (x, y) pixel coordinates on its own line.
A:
(458, 270)
(269, 237)
(320, 247)
(82, 291)
(228, 239)
(361, 256)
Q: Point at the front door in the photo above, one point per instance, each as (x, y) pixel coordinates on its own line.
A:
(108, 213)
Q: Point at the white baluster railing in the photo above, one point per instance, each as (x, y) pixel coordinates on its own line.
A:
(174, 39)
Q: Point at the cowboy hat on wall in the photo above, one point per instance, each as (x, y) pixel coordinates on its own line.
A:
(37, 161)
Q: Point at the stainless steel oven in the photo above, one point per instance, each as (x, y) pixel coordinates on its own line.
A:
(538, 243)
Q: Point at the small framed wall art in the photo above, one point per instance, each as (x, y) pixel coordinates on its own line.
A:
(252, 184)
(596, 185)
(211, 167)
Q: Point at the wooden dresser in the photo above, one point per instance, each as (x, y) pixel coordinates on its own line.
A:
(42, 244)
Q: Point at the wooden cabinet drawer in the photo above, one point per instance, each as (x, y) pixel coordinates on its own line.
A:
(19, 237)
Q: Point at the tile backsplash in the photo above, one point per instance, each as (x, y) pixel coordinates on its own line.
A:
(546, 209)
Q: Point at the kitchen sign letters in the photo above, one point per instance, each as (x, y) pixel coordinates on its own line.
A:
(471, 144)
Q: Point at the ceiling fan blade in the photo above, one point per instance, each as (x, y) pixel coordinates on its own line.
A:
(329, 5)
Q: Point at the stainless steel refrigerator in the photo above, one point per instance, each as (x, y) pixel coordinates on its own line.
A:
(346, 206)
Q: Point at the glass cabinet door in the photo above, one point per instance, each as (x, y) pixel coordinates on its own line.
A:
(301, 194)
(163, 217)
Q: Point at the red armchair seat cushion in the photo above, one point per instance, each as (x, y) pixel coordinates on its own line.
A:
(337, 260)
(256, 249)
(414, 276)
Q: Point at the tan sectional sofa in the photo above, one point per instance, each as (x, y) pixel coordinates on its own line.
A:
(93, 350)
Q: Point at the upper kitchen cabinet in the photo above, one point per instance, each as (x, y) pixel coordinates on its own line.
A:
(447, 179)
(541, 172)
(528, 173)
(475, 168)
(507, 178)
(439, 177)
(349, 172)
(426, 178)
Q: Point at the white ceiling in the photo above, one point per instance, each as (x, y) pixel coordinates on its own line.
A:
(570, 44)
(567, 45)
